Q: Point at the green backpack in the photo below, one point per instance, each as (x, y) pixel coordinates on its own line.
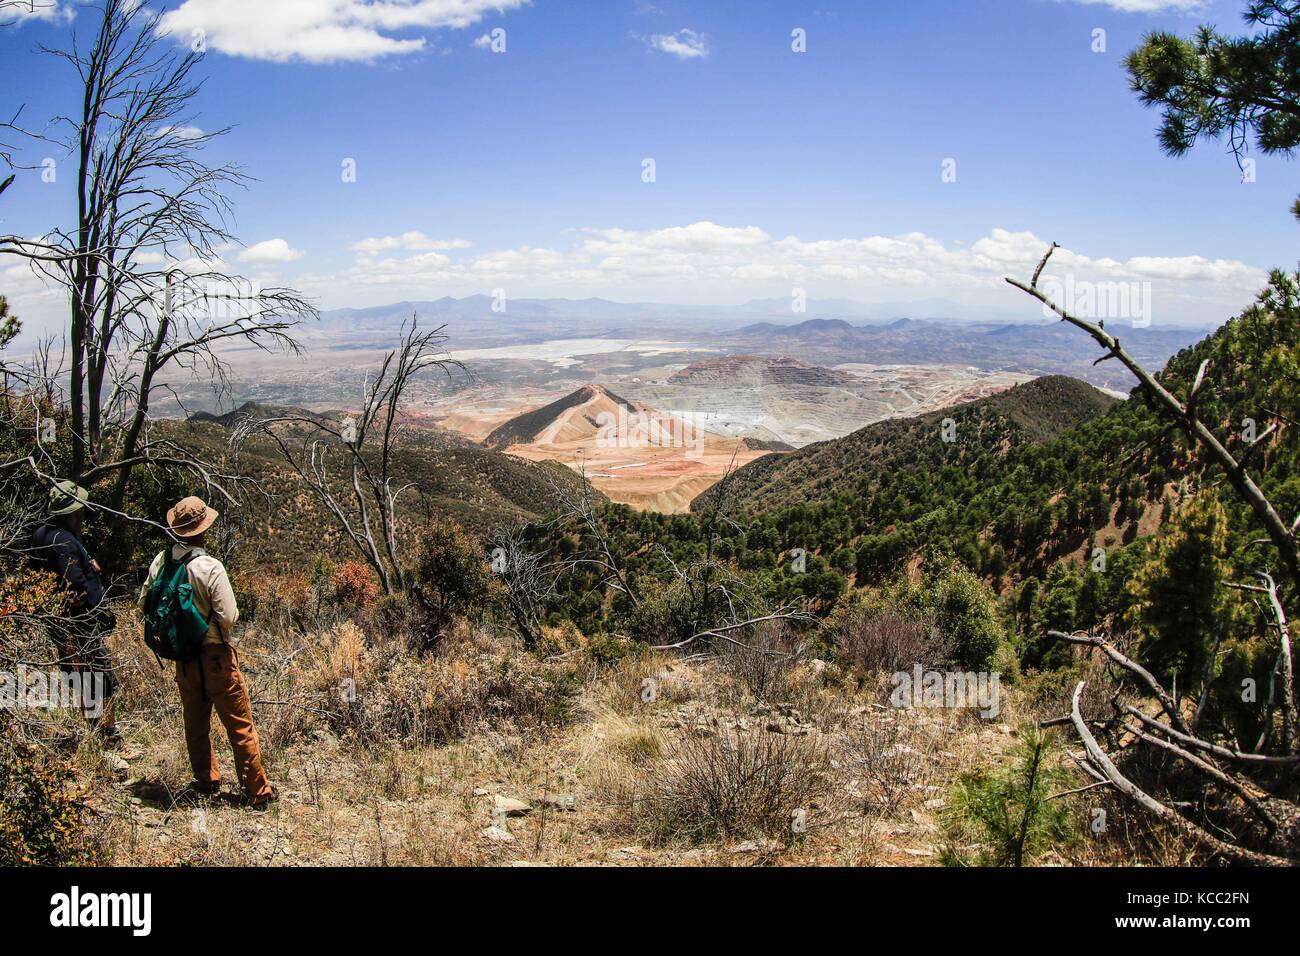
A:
(173, 627)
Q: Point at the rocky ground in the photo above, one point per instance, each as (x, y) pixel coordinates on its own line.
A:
(872, 781)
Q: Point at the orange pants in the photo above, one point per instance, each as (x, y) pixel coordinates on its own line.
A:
(214, 680)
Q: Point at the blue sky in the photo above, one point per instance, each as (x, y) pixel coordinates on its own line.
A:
(774, 170)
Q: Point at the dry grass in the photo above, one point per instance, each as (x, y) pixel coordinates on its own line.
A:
(388, 757)
(733, 785)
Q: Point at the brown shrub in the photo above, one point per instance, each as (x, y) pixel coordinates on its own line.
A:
(283, 599)
(730, 785)
(354, 586)
(476, 683)
(645, 680)
(764, 662)
(890, 764)
(875, 641)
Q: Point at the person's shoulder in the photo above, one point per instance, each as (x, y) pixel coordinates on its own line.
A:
(62, 537)
(205, 563)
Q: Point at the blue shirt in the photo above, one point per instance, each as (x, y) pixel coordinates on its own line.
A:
(59, 551)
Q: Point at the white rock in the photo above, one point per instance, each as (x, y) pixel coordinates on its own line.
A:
(510, 806)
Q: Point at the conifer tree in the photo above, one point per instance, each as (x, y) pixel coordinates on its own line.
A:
(1211, 85)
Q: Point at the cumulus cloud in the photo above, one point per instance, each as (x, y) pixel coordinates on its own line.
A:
(706, 261)
(684, 44)
(737, 262)
(180, 132)
(411, 241)
(322, 31)
(270, 252)
(29, 11)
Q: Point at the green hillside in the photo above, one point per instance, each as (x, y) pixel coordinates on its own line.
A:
(478, 488)
(1038, 478)
(1031, 413)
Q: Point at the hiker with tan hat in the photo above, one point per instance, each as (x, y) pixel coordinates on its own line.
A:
(190, 615)
(56, 547)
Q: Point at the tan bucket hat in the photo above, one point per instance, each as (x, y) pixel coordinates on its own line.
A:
(191, 517)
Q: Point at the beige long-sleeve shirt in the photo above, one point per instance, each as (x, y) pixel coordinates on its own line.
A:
(213, 595)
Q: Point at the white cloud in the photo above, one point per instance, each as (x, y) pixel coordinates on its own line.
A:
(684, 44)
(29, 11)
(322, 31)
(703, 262)
(1150, 6)
(412, 241)
(180, 132)
(707, 260)
(1194, 269)
(270, 252)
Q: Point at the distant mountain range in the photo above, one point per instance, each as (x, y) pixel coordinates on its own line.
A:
(1038, 348)
(774, 311)
(1034, 347)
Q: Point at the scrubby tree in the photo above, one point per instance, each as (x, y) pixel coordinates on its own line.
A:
(962, 607)
(451, 576)
(1180, 597)
(9, 324)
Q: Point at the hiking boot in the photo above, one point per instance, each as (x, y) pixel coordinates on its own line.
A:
(208, 789)
(265, 802)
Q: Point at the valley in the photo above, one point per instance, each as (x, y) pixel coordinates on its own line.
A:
(765, 388)
(679, 429)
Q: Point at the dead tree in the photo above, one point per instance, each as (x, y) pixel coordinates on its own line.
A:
(362, 497)
(146, 202)
(1227, 769)
(11, 10)
(528, 578)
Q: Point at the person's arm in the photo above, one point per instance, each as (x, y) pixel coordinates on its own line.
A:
(154, 568)
(225, 612)
(67, 562)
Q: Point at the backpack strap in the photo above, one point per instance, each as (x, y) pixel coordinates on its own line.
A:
(185, 563)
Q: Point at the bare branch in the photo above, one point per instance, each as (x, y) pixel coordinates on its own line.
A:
(1103, 764)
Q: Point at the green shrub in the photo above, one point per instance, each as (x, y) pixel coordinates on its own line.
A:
(1007, 811)
(40, 823)
(962, 607)
(965, 607)
(451, 578)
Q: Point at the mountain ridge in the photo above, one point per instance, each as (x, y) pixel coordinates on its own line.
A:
(1032, 412)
